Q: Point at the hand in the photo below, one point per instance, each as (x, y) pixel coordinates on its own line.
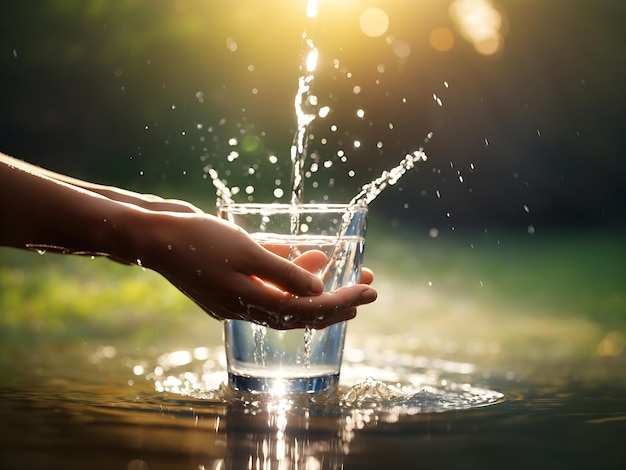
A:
(212, 261)
(221, 268)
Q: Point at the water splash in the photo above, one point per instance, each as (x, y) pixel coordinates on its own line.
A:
(305, 105)
(388, 177)
(224, 195)
(308, 342)
(414, 385)
(260, 334)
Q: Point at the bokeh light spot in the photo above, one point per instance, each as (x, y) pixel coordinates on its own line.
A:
(374, 22)
(613, 344)
(231, 44)
(401, 49)
(480, 23)
(251, 143)
(441, 39)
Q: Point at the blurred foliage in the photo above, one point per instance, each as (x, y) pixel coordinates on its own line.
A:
(145, 93)
(560, 292)
(56, 298)
(563, 273)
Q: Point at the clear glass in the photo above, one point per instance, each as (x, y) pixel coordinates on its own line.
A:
(261, 359)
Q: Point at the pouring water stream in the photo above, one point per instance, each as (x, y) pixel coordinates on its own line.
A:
(306, 110)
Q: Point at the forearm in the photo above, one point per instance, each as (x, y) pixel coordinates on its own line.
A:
(147, 201)
(44, 213)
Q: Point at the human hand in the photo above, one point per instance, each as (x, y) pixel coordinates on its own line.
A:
(214, 262)
(221, 268)
(145, 201)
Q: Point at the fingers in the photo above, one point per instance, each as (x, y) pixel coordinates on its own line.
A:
(312, 260)
(295, 281)
(367, 276)
(282, 311)
(289, 276)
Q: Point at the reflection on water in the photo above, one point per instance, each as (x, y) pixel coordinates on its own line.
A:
(105, 408)
(387, 382)
(140, 412)
(315, 431)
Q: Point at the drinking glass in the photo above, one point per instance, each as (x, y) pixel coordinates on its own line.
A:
(306, 360)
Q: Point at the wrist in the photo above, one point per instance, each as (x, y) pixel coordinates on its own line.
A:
(122, 233)
(146, 236)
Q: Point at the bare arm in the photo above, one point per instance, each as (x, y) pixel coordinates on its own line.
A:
(212, 261)
(147, 201)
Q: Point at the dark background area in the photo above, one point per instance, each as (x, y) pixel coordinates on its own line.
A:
(144, 94)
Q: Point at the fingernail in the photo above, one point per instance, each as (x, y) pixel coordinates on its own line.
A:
(368, 296)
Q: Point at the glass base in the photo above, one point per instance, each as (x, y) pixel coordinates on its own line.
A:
(283, 385)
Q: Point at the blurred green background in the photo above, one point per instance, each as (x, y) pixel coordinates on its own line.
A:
(509, 238)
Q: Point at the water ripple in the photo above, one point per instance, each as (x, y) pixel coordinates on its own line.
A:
(388, 382)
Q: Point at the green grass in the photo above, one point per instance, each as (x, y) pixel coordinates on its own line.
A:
(54, 297)
(550, 295)
(564, 273)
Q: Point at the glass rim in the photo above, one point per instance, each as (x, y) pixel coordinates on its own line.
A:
(247, 207)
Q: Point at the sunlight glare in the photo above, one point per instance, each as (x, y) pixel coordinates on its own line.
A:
(480, 23)
(311, 8)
